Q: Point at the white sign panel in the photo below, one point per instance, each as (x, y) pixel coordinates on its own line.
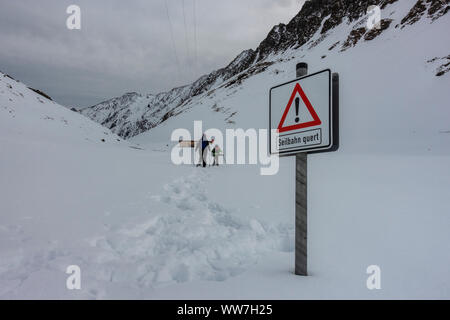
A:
(301, 112)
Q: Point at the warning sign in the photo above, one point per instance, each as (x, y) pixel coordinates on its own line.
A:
(302, 119)
(301, 113)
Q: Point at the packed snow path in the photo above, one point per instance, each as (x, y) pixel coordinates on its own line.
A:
(185, 236)
(191, 238)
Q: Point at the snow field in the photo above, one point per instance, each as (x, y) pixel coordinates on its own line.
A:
(192, 238)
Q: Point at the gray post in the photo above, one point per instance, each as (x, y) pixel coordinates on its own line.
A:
(301, 166)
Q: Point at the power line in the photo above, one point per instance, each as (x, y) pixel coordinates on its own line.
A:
(186, 35)
(173, 40)
(195, 36)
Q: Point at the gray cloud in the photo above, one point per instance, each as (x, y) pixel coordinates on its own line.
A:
(127, 45)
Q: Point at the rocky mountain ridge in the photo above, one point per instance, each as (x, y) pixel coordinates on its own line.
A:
(134, 113)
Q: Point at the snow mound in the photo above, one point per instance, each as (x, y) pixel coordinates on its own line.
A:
(191, 239)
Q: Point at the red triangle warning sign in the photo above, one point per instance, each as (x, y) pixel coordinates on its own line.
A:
(299, 125)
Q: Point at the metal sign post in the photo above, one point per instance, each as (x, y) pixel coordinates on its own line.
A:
(305, 113)
(301, 201)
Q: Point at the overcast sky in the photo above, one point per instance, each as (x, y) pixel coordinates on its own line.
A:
(127, 46)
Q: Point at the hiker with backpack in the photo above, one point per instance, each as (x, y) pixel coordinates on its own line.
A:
(202, 148)
(216, 152)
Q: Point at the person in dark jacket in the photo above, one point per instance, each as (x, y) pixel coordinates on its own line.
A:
(202, 148)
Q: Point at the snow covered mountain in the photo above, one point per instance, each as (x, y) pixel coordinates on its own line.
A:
(134, 113)
(28, 113)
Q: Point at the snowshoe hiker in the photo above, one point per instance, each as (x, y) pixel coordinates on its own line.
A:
(216, 152)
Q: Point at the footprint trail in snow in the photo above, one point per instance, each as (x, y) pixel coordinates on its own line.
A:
(192, 239)
(186, 237)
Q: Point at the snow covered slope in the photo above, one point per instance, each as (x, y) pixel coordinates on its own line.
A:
(27, 115)
(130, 219)
(382, 198)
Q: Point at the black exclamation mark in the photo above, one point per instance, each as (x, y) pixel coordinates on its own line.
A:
(297, 102)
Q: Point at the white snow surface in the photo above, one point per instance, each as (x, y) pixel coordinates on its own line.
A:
(140, 227)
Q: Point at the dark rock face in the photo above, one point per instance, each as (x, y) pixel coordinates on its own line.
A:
(353, 38)
(434, 8)
(41, 93)
(415, 14)
(334, 45)
(372, 34)
(438, 8)
(308, 21)
(242, 62)
(257, 68)
(444, 66)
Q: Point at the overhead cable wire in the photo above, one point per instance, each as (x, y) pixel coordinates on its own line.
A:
(188, 58)
(173, 39)
(195, 36)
